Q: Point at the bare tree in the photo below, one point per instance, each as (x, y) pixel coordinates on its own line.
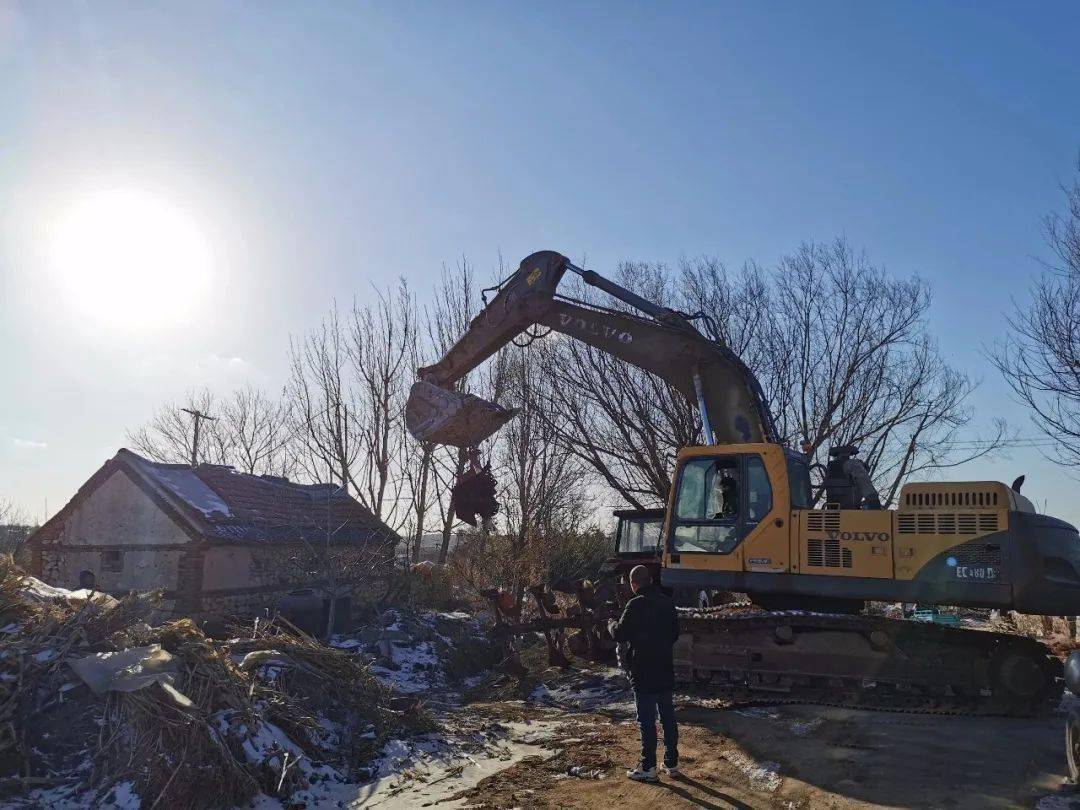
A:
(321, 400)
(169, 436)
(382, 338)
(418, 462)
(840, 348)
(546, 485)
(454, 305)
(330, 558)
(624, 422)
(1041, 358)
(250, 431)
(848, 359)
(259, 433)
(348, 384)
(14, 528)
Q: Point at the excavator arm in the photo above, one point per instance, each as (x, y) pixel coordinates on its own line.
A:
(659, 340)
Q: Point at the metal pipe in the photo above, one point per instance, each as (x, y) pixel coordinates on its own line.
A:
(706, 425)
(594, 279)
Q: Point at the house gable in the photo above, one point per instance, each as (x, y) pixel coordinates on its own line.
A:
(118, 512)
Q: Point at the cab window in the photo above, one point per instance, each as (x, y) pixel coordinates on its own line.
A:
(799, 482)
(707, 506)
(718, 501)
(758, 491)
(639, 535)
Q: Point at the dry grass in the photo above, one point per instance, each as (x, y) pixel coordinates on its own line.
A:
(208, 741)
(317, 680)
(41, 635)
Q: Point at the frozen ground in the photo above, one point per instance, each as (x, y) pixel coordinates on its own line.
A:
(567, 741)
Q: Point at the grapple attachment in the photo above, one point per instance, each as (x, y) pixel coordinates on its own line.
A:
(444, 416)
(473, 496)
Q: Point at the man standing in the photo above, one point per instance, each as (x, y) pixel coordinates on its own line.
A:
(649, 627)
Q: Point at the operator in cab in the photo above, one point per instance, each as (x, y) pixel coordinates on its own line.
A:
(650, 627)
(729, 494)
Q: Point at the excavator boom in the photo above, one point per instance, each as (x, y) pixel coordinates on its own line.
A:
(659, 340)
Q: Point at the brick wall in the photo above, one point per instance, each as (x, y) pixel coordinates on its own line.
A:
(189, 577)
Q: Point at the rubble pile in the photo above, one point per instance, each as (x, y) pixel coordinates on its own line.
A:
(97, 707)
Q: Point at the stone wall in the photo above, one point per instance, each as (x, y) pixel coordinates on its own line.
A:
(120, 535)
(250, 578)
(140, 569)
(258, 565)
(242, 604)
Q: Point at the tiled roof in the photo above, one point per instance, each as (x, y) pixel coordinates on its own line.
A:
(228, 505)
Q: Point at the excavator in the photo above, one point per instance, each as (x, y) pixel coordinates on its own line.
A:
(744, 516)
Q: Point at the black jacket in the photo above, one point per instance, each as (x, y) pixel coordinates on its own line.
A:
(650, 626)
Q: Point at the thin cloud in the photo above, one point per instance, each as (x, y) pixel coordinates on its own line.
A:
(29, 443)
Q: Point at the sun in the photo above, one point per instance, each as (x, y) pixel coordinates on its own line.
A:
(129, 259)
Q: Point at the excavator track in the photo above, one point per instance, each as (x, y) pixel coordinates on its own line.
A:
(864, 662)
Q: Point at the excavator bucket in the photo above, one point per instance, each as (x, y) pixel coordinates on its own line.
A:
(444, 416)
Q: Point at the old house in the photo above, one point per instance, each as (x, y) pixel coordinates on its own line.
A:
(215, 540)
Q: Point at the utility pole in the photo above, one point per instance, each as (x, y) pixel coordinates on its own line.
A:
(198, 416)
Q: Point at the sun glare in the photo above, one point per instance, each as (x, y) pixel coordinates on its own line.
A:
(129, 259)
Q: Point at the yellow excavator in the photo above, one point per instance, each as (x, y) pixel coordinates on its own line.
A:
(743, 516)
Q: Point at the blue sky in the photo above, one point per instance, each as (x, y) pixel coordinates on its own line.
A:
(323, 148)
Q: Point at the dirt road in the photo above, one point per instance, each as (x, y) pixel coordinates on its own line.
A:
(793, 757)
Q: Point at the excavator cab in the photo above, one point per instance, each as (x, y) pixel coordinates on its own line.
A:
(638, 532)
(637, 542)
(719, 500)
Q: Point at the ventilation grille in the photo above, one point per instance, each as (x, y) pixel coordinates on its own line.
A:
(978, 554)
(827, 554)
(828, 521)
(947, 522)
(938, 499)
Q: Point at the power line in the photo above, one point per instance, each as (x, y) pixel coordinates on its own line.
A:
(1003, 443)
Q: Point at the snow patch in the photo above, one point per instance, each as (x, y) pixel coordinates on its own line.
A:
(121, 796)
(1058, 803)
(410, 651)
(189, 488)
(803, 728)
(608, 688)
(762, 775)
(428, 771)
(36, 589)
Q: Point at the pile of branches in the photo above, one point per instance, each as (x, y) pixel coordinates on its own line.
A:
(183, 747)
(236, 718)
(302, 675)
(38, 636)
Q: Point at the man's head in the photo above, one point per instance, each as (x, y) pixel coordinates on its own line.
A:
(639, 578)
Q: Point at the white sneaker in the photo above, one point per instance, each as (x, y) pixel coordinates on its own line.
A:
(638, 775)
(670, 770)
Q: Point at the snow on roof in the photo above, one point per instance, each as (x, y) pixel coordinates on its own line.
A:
(188, 487)
(245, 507)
